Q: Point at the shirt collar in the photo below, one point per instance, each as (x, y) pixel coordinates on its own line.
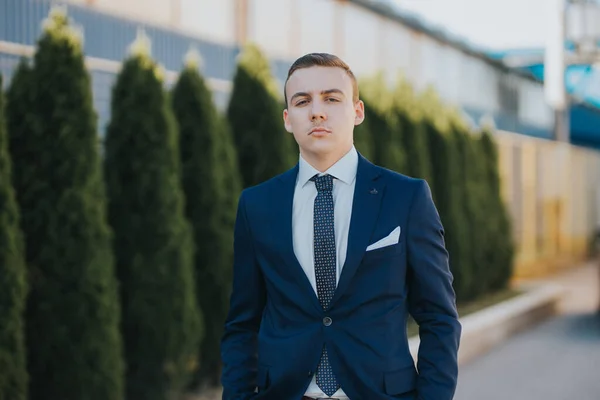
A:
(344, 169)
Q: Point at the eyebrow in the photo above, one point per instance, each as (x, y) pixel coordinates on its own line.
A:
(324, 92)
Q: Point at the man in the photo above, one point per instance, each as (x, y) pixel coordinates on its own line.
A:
(330, 258)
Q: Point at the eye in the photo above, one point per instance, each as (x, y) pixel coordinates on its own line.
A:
(332, 99)
(301, 102)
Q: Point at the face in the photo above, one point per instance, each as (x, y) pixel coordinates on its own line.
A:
(320, 111)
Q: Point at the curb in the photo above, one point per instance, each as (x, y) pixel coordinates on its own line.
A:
(485, 329)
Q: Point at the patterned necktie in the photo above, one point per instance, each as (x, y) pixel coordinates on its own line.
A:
(325, 269)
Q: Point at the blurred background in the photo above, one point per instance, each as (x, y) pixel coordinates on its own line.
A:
(129, 128)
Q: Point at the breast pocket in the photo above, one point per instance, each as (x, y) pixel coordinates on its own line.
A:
(394, 250)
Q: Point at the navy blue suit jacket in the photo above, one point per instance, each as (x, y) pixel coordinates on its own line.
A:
(275, 328)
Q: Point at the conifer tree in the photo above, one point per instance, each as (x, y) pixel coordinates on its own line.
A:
(446, 188)
(13, 284)
(363, 140)
(255, 116)
(153, 240)
(414, 137)
(471, 187)
(231, 181)
(74, 349)
(382, 124)
(207, 171)
(500, 252)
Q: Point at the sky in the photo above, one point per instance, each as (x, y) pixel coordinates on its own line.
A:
(491, 24)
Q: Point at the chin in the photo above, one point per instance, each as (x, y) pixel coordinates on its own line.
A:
(322, 147)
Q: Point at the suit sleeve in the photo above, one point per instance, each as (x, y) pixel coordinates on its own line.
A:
(239, 342)
(431, 299)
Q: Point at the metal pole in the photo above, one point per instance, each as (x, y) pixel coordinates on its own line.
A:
(554, 65)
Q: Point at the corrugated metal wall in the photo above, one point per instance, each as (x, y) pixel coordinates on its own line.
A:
(106, 43)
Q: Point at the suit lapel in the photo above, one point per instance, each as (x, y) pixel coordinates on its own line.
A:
(282, 208)
(368, 193)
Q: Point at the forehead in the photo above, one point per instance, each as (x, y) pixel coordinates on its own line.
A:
(316, 79)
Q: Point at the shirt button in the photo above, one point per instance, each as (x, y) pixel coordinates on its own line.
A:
(327, 321)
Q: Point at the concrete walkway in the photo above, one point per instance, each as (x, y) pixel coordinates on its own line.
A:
(557, 360)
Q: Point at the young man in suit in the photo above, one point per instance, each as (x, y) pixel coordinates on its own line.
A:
(330, 259)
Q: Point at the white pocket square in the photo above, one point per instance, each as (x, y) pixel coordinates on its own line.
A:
(389, 240)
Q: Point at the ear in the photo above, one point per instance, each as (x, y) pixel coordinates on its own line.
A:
(359, 110)
(286, 121)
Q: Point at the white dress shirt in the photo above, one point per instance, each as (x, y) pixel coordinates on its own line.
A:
(344, 172)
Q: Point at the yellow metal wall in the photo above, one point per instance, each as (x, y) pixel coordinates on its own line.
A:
(551, 191)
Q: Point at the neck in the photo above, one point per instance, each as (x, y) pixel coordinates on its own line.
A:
(322, 162)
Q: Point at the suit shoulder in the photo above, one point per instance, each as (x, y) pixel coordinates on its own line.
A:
(405, 186)
(267, 186)
(396, 178)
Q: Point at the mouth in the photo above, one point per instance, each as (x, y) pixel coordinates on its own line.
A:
(319, 131)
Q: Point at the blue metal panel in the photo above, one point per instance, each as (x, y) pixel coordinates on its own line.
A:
(21, 20)
(109, 37)
(509, 122)
(8, 66)
(585, 126)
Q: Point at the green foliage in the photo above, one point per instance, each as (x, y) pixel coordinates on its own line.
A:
(290, 145)
(473, 200)
(211, 187)
(499, 250)
(447, 195)
(231, 179)
(447, 188)
(72, 315)
(414, 136)
(153, 240)
(13, 285)
(383, 124)
(466, 188)
(363, 140)
(255, 116)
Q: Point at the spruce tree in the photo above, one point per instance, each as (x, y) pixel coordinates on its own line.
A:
(414, 137)
(207, 170)
(446, 189)
(290, 142)
(230, 177)
(363, 140)
(153, 240)
(13, 284)
(231, 182)
(72, 315)
(500, 252)
(383, 124)
(255, 116)
(471, 187)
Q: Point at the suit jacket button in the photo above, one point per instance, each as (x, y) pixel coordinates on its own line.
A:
(327, 321)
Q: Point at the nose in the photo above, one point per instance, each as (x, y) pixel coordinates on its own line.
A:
(317, 112)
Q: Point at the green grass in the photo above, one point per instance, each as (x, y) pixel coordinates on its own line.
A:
(472, 306)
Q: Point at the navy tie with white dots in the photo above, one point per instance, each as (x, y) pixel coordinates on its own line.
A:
(325, 267)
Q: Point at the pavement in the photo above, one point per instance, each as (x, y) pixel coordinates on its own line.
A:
(558, 359)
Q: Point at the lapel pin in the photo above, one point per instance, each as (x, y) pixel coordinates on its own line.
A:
(373, 191)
